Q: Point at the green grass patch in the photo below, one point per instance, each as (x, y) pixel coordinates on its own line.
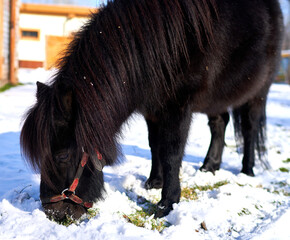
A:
(285, 193)
(144, 218)
(244, 211)
(281, 187)
(277, 203)
(282, 169)
(280, 191)
(281, 184)
(287, 160)
(8, 86)
(258, 206)
(66, 222)
(92, 212)
(190, 193)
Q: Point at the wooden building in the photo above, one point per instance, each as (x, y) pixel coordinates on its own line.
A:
(9, 10)
(45, 30)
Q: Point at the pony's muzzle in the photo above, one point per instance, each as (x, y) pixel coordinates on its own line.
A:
(62, 210)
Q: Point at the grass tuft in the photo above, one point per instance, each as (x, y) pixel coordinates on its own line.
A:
(67, 221)
(8, 86)
(244, 211)
(282, 169)
(281, 187)
(143, 218)
(190, 193)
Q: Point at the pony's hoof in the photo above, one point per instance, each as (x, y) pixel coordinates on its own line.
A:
(208, 168)
(162, 210)
(153, 183)
(248, 172)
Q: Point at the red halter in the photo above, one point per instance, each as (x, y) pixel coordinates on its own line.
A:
(69, 193)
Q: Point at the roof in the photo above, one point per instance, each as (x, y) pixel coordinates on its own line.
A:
(60, 10)
(84, 3)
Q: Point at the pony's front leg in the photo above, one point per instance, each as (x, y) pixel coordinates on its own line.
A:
(213, 157)
(156, 176)
(173, 132)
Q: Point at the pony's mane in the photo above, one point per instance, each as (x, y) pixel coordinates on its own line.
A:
(36, 134)
(128, 45)
(124, 47)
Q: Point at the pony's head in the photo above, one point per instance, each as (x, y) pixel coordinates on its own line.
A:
(71, 172)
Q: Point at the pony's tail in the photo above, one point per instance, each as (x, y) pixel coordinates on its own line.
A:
(261, 137)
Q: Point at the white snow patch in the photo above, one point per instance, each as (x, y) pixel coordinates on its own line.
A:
(245, 208)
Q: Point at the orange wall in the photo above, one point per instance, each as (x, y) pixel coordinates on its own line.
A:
(56, 10)
(55, 46)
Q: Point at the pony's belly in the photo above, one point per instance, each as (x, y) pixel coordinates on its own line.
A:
(215, 103)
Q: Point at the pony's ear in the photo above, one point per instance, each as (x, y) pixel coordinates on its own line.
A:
(41, 89)
(65, 94)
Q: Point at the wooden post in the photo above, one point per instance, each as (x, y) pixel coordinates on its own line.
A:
(1, 38)
(12, 67)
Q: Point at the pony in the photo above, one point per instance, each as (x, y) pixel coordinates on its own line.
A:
(164, 59)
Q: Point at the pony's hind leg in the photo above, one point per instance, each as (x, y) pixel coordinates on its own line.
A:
(250, 120)
(213, 158)
(173, 127)
(156, 176)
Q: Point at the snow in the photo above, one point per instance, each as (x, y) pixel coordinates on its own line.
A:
(244, 208)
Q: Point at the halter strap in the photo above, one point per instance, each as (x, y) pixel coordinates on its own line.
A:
(69, 193)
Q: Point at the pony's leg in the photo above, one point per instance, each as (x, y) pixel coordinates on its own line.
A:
(156, 176)
(213, 158)
(252, 118)
(173, 132)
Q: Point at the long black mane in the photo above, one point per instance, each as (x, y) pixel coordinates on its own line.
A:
(127, 46)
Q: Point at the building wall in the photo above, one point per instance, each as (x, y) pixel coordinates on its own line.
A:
(30, 50)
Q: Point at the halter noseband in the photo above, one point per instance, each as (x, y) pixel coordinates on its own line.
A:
(69, 193)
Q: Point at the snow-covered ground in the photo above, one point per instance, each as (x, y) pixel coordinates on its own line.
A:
(243, 208)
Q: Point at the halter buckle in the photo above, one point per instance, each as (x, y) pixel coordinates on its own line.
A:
(67, 193)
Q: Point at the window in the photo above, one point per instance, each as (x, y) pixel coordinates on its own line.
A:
(29, 34)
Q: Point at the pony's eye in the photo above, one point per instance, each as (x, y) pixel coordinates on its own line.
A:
(62, 156)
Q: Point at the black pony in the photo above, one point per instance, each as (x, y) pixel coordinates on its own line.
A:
(164, 59)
